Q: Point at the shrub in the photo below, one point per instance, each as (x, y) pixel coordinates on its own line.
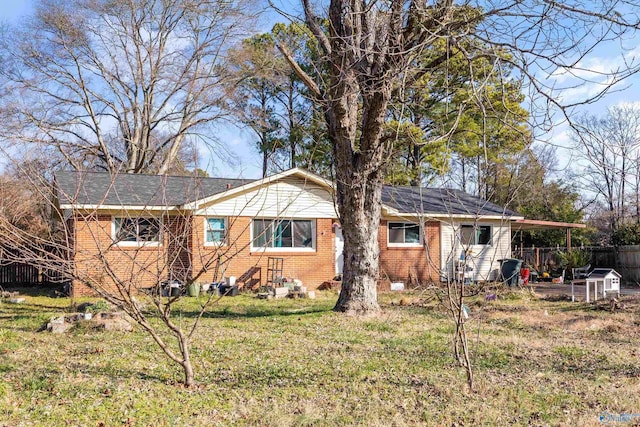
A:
(578, 258)
(626, 234)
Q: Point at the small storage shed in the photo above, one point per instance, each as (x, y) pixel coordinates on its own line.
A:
(603, 281)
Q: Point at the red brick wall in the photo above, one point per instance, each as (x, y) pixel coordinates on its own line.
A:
(178, 248)
(398, 262)
(183, 255)
(97, 259)
(312, 268)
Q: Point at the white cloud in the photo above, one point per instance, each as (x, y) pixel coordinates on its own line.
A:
(592, 75)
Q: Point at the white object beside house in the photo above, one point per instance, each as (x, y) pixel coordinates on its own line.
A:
(397, 286)
(603, 281)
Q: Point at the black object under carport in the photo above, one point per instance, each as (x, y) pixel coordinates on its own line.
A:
(510, 270)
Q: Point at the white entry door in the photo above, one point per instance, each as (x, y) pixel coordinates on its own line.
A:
(339, 246)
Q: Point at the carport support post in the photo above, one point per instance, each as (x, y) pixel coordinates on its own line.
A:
(568, 240)
(521, 245)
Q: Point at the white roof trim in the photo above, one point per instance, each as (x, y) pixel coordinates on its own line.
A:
(119, 207)
(294, 171)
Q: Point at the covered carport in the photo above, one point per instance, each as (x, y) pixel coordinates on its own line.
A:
(521, 225)
(535, 224)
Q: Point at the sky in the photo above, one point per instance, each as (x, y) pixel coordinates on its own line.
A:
(11, 10)
(248, 161)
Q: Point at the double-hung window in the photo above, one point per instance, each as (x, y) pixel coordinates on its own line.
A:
(284, 233)
(475, 235)
(136, 230)
(404, 234)
(215, 231)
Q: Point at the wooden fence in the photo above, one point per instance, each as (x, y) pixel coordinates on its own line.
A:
(22, 274)
(629, 264)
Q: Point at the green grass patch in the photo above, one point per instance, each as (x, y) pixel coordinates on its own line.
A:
(570, 352)
(297, 363)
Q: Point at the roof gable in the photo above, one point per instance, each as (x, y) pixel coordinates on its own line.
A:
(601, 273)
(251, 185)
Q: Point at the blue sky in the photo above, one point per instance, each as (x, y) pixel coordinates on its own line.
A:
(248, 163)
(14, 9)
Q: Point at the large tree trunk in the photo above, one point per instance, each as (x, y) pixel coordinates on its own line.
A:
(360, 156)
(360, 217)
(366, 47)
(356, 104)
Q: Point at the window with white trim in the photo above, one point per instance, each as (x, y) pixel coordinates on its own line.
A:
(404, 233)
(215, 231)
(136, 230)
(475, 234)
(284, 233)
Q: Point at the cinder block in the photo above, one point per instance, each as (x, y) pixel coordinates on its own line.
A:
(281, 292)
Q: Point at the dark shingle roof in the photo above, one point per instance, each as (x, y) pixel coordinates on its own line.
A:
(98, 188)
(440, 201)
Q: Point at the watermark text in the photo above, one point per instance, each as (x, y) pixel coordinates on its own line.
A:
(608, 418)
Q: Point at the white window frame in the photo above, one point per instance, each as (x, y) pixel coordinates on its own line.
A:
(314, 236)
(223, 242)
(475, 243)
(114, 231)
(405, 245)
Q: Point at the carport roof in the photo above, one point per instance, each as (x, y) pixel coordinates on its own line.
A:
(534, 224)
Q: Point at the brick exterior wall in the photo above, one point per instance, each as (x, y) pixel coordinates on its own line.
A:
(312, 268)
(133, 266)
(183, 254)
(398, 263)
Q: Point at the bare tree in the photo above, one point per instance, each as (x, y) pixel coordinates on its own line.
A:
(133, 239)
(130, 260)
(22, 207)
(118, 85)
(370, 49)
(609, 149)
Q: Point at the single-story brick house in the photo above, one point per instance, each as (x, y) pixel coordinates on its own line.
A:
(148, 227)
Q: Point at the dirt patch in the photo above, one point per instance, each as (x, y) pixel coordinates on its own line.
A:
(545, 319)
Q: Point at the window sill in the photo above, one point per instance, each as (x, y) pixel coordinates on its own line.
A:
(215, 245)
(136, 246)
(404, 246)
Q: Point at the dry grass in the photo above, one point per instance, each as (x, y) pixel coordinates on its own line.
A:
(538, 362)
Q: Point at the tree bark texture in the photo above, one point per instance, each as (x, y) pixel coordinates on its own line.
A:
(357, 101)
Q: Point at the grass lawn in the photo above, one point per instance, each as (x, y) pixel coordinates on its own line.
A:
(295, 362)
